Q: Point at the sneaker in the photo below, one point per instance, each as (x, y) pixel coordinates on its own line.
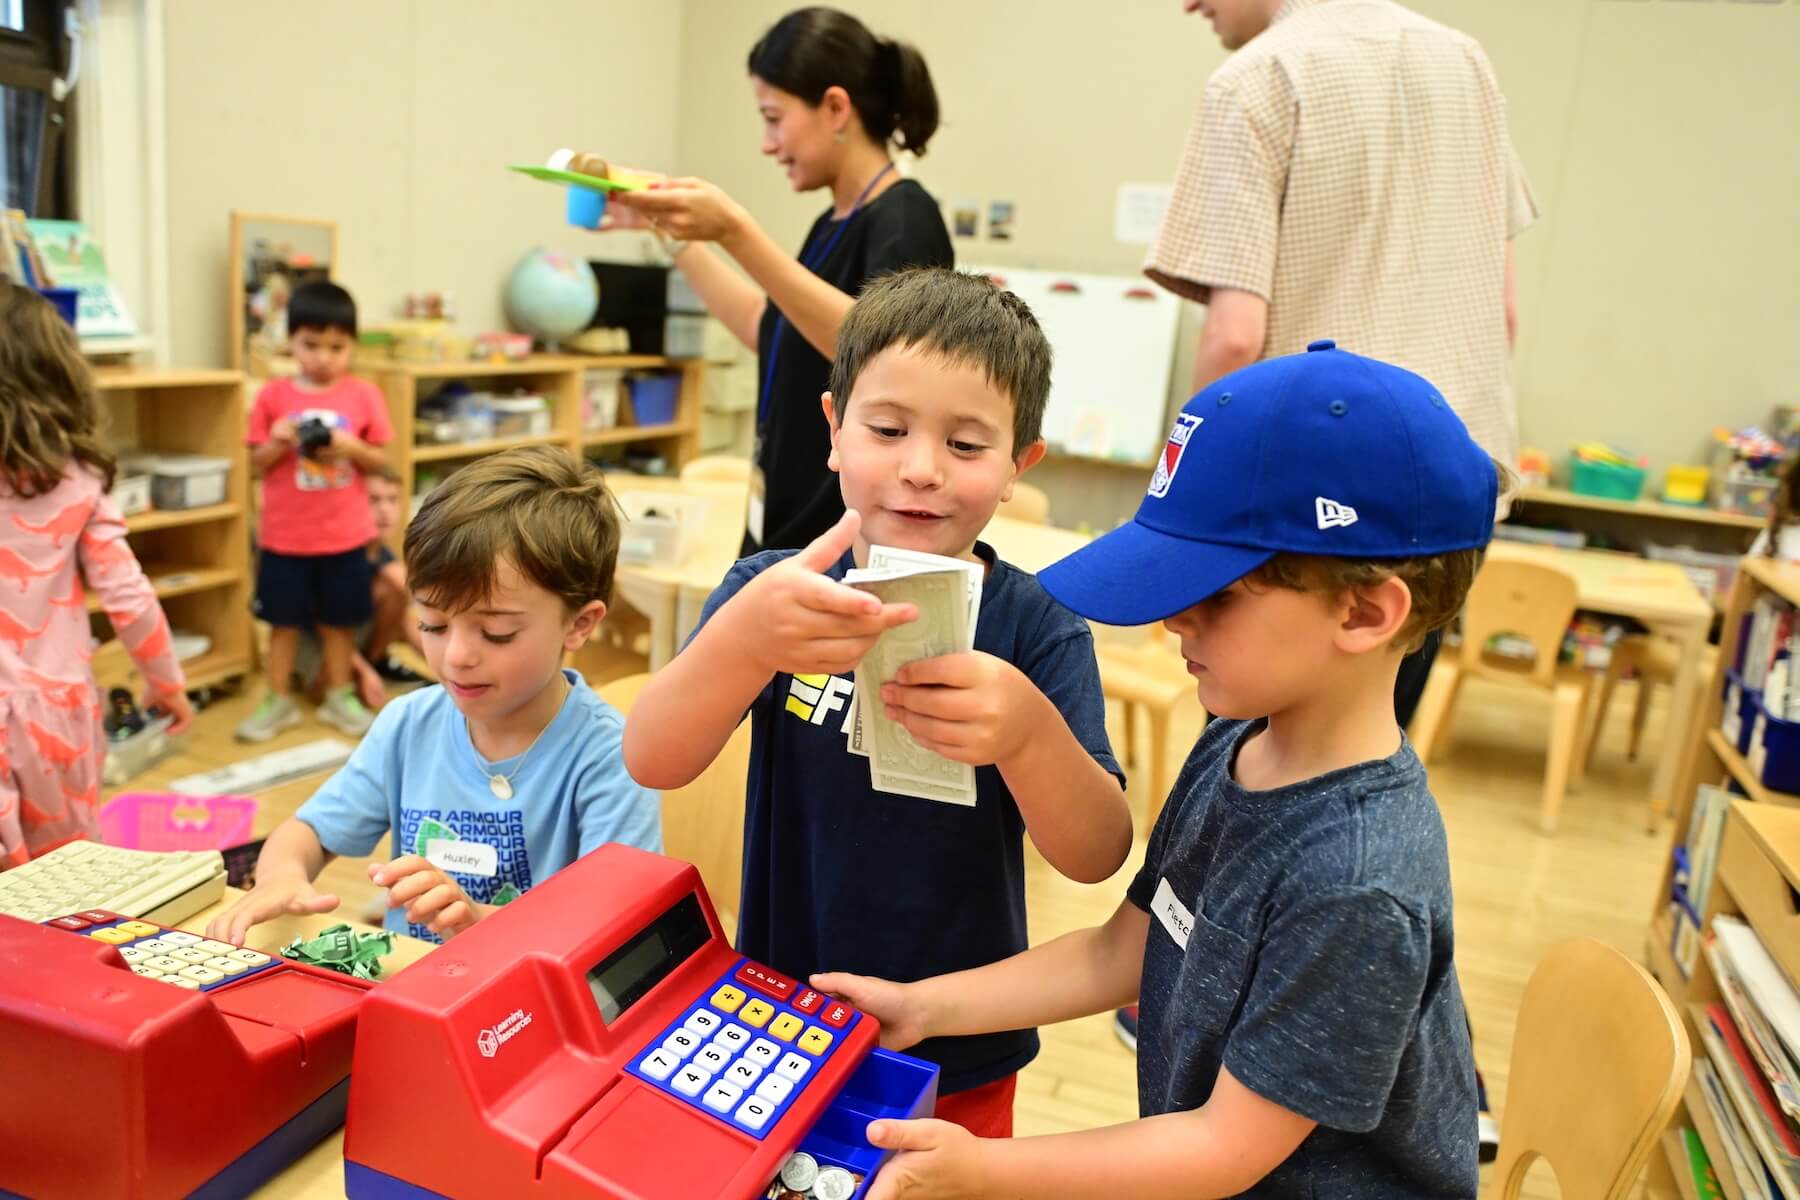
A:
(273, 715)
(1125, 1025)
(345, 712)
(393, 671)
(1488, 1130)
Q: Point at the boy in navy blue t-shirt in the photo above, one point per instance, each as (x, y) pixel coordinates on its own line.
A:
(937, 393)
(1289, 937)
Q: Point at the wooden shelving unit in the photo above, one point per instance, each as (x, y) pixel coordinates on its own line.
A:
(559, 379)
(1758, 873)
(198, 559)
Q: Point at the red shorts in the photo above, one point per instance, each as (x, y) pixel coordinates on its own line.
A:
(986, 1111)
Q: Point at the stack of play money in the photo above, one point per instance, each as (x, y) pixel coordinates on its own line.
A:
(947, 593)
(802, 1178)
(343, 950)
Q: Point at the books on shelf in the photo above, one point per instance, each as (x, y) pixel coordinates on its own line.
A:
(1699, 1167)
(63, 254)
(1696, 860)
(1750, 1080)
(1770, 642)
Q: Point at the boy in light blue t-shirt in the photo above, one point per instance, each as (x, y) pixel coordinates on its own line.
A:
(510, 769)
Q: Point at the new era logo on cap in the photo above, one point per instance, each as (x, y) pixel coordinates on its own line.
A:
(1185, 424)
(1333, 515)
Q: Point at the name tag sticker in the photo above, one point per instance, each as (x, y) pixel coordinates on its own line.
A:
(462, 858)
(1173, 914)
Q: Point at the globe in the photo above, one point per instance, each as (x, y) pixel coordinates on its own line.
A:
(551, 295)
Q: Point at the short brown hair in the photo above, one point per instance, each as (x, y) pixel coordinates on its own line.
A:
(538, 507)
(49, 412)
(1439, 583)
(965, 319)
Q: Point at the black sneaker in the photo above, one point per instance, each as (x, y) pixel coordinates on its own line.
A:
(1488, 1130)
(1125, 1025)
(393, 671)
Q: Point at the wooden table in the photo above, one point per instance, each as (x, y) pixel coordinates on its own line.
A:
(1661, 596)
(673, 596)
(319, 1173)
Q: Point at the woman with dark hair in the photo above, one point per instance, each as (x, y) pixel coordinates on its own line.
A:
(835, 101)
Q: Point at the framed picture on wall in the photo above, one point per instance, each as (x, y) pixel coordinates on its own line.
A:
(270, 257)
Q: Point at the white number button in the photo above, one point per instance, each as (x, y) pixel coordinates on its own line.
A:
(132, 954)
(743, 1073)
(755, 1113)
(704, 1022)
(682, 1042)
(175, 937)
(733, 1037)
(163, 962)
(793, 1066)
(212, 947)
(690, 1081)
(250, 957)
(721, 1096)
(762, 1052)
(711, 1058)
(226, 966)
(659, 1064)
(190, 956)
(774, 1089)
(201, 974)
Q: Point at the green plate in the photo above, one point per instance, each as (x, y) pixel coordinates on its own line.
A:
(552, 175)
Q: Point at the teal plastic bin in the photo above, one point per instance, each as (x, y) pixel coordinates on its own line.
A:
(1606, 479)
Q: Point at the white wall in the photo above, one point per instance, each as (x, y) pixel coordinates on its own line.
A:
(396, 119)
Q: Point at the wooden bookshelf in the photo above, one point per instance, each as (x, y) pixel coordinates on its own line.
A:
(559, 379)
(190, 411)
(1553, 497)
(1757, 876)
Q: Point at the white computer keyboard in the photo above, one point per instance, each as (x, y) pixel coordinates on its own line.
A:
(166, 887)
(266, 770)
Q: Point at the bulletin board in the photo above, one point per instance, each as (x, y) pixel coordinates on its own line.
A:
(1114, 343)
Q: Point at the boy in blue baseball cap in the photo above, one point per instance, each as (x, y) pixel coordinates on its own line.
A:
(1289, 938)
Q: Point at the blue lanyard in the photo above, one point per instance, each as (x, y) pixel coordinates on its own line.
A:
(811, 262)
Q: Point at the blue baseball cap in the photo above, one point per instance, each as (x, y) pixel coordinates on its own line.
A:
(1324, 453)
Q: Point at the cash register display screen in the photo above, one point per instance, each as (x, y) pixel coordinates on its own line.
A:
(623, 977)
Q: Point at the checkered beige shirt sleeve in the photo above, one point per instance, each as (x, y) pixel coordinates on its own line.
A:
(1223, 221)
(1521, 202)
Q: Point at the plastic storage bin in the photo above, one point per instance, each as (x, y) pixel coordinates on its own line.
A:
(1605, 479)
(131, 493)
(1775, 751)
(654, 397)
(886, 1085)
(165, 821)
(520, 416)
(188, 480)
(1751, 495)
(1737, 715)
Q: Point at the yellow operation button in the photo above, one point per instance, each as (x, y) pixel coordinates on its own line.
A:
(756, 1014)
(115, 935)
(727, 999)
(814, 1041)
(786, 1026)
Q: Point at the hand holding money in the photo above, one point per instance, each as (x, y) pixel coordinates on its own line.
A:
(970, 707)
(794, 619)
(431, 897)
(935, 1159)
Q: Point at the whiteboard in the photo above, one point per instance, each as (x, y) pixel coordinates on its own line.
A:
(1113, 337)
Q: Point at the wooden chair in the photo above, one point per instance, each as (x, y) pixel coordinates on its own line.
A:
(1141, 670)
(1028, 504)
(703, 823)
(1535, 603)
(1653, 660)
(726, 468)
(1599, 1063)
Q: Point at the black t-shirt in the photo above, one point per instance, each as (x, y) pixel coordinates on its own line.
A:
(901, 227)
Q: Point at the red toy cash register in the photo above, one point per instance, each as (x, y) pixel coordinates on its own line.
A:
(599, 1038)
(146, 1063)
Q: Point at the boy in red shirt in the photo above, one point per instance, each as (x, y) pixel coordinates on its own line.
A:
(313, 438)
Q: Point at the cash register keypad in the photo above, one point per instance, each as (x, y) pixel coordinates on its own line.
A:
(747, 1048)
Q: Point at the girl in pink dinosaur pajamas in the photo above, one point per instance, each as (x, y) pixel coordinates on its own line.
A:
(58, 527)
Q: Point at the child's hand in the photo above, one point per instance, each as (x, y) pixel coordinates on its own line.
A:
(936, 1160)
(431, 897)
(791, 618)
(282, 430)
(265, 902)
(177, 705)
(343, 444)
(969, 707)
(904, 1021)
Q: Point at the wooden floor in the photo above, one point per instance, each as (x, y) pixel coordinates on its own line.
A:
(1518, 892)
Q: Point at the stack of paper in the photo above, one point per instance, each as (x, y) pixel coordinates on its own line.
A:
(947, 593)
(1749, 1076)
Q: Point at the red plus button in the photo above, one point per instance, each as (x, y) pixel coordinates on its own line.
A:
(765, 981)
(836, 1014)
(809, 1002)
